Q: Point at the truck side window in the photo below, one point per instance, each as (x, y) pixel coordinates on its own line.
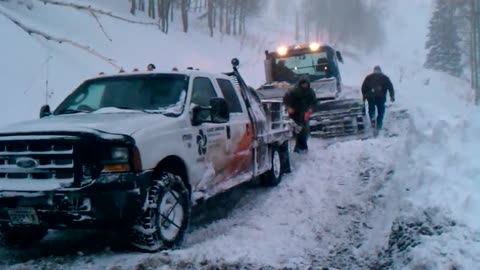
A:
(230, 95)
(202, 91)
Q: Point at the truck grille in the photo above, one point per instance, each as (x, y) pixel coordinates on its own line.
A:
(37, 158)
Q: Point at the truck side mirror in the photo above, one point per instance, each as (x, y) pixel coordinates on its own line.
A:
(219, 111)
(45, 111)
(199, 115)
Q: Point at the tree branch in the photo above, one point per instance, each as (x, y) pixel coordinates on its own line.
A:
(32, 31)
(99, 11)
(100, 25)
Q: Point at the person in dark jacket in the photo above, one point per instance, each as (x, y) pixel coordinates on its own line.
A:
(283, 73)
(374, 90)
(299, 102)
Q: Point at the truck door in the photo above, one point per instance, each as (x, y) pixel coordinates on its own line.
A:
(210, 140)
(239, 136)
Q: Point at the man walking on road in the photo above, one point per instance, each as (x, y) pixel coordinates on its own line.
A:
(374, 90)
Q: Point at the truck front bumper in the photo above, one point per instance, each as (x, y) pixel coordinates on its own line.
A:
(113, 200)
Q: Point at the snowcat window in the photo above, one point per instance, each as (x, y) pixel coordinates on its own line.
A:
(158, 93)
(230, 95)
(289, 68)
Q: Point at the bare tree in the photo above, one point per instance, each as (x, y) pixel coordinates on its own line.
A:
(197, 6)
(210, 16)
(133, 6)
(221, 7)
(184, 7)
(227, 18)
(172, 2)
(241, 19)
(163, 10)
(234, 18)
(151, 9)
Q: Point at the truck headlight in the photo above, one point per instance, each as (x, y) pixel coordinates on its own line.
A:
(119, 154)
(117, 160)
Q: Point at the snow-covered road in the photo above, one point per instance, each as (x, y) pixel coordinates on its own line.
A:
(335, 210)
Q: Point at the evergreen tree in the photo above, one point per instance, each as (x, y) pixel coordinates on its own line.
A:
(443, 42)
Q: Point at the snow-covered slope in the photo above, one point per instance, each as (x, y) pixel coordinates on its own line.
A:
(29, 61)
(438, 174)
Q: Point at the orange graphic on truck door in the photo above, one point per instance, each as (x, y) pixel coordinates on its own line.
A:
(241, 160)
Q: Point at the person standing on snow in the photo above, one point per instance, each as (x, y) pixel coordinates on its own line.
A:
(374, 90)
(299, 102)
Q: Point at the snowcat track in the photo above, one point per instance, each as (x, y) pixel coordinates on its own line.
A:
(338, 123)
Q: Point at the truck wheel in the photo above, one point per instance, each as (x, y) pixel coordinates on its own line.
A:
(274, 176)
(13, 236)
(167, 215)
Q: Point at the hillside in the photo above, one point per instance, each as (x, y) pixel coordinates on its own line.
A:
(25, 71)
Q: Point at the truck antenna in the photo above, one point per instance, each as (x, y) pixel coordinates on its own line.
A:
(47, 92)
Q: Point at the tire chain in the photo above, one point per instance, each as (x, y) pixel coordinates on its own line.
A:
(145, 235)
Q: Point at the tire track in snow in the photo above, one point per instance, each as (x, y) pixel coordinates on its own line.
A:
(375, 170)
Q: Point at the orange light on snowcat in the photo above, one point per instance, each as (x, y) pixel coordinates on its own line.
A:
(314, 46)
(282, 50)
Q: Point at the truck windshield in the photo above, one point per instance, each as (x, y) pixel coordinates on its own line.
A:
(159, 93)
(315, 65)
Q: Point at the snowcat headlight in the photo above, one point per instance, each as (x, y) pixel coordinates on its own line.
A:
(314, 46)
(118, 160)
(282, 50)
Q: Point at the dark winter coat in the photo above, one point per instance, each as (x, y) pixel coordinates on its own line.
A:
(283, 73)
(376, 85)
(300, 99)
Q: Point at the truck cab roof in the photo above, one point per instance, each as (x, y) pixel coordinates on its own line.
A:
(186, 72)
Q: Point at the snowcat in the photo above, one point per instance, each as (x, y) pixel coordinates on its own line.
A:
(333, 115)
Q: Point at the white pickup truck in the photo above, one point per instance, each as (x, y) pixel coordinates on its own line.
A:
(137, 151)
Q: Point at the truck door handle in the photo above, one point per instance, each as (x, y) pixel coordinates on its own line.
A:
(228, 132)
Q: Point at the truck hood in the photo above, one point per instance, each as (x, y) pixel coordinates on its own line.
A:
(125, 123)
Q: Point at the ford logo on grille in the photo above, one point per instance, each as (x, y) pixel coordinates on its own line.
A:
(26, 162)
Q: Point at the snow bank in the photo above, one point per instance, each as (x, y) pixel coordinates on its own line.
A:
(440, 176)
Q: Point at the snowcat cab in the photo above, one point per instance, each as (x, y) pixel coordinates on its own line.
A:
(332, 116)
(319, 63)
